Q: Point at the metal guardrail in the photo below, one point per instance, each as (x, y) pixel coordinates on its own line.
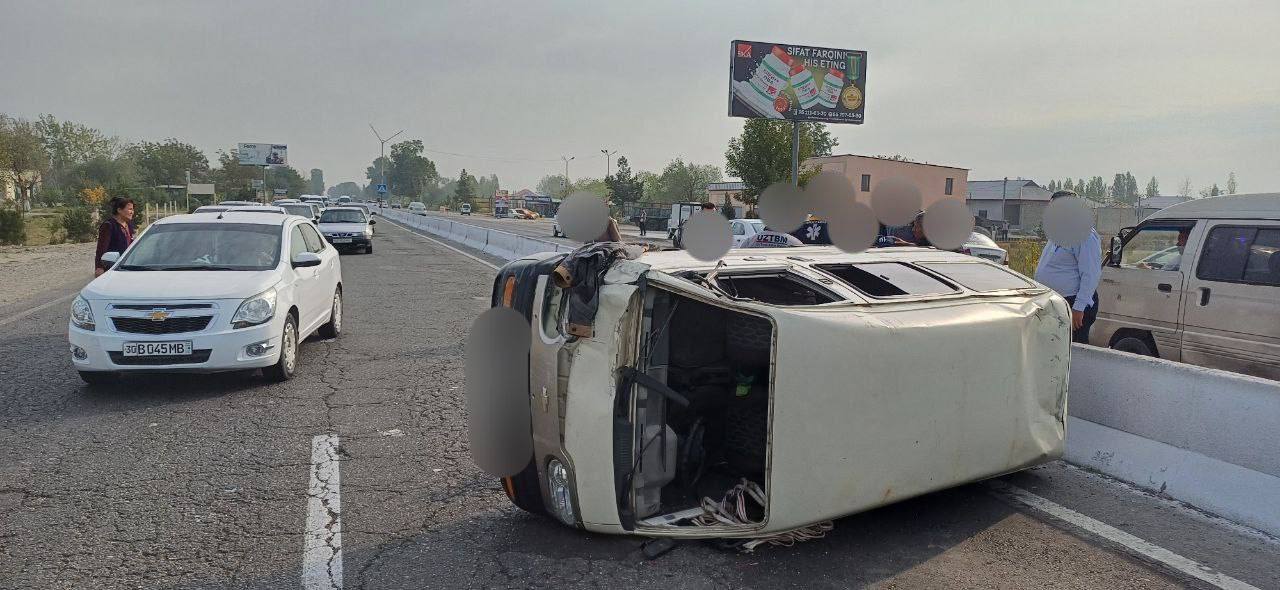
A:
(504, 245)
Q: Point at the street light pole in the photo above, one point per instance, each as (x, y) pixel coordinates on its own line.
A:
(566, 173)
(382, 151)
(608, 160)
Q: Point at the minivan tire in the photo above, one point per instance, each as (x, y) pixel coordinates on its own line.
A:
(1133, 344)
(285, 368)
(526, 490)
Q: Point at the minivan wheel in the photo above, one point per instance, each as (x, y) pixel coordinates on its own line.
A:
(333, 329)
(284, 368)
(1134, 345)
(525, 490)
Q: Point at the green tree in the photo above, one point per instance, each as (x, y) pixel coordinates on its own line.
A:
(71, 145)
(1231, 183)
(375, 170)
(317, 181)
(761, 155)
(624, 187)
(551, 184)
(465, 192)
(23, 160)
(1184, 189)
(594, 186)
(410, 172)
(232, 180)
(685, 182)
(168, 161)
(348, 188)
(487, 186)
(1153, 187)
(287, 178)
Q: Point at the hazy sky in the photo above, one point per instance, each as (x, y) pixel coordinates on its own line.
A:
(1034, 89)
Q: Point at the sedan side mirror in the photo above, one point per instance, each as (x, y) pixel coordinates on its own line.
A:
(110, 258)
(305, 259)
(1113, 255)
(373, 222)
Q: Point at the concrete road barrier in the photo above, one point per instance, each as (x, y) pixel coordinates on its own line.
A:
(1202, 436)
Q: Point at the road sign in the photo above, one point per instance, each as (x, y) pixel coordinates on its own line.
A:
(382, 189)
(257, 183)
(262, 154)
(280, 191)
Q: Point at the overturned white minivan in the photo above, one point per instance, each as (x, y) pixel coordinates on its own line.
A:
(779, 388)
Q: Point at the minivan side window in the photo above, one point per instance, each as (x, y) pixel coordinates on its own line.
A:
(1155, 248)
(1226, 252)
(1263, 265)
(297, 244)
(314, 242)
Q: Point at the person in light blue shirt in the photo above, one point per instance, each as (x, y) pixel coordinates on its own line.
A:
(1074, 272)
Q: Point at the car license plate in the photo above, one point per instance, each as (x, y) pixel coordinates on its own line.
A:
(342, 240)
(157, 348)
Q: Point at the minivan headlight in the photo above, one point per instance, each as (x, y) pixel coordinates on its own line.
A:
(561, 492)
(82, 314)
(255, 310)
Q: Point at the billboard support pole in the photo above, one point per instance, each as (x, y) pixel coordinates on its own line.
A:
(264, 184)
(795, 153)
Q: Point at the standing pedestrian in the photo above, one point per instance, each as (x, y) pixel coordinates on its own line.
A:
(116, 232)
(644, 220)
(1074, 273)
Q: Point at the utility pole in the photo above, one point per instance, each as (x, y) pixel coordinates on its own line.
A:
(795, 153)
(566, 173)
(382, 151)
(608, 156)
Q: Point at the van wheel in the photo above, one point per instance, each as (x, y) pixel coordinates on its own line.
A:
(1133, 344)
(524, 490)
(284, 368)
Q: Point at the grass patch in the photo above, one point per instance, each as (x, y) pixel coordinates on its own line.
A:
(1024, 255)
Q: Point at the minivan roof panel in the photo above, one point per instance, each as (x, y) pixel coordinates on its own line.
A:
(1254, 206)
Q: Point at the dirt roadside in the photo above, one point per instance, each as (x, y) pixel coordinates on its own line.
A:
(26, 271)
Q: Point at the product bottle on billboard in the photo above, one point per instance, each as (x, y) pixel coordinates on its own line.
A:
(797, 82)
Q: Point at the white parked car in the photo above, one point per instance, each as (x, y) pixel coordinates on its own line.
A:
(417, 208)
(208, 293)
(348, 227)
(985, 248)
(743, 229)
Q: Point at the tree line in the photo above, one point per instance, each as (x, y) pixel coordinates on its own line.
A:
(68, 163)
(1124, 188)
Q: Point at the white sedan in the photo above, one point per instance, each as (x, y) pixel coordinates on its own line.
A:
(985, 248)
(208, 292)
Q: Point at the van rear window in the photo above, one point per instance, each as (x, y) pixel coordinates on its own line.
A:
(978, 276)
(888, 279)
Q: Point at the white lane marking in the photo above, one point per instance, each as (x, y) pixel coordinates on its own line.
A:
(43, 306)
(420, 236)
(1139, 546)
(322, 540)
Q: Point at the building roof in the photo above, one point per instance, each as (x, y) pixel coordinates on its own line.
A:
(727, 186)
(883, 158)
(1012, 189)
(1257, 206)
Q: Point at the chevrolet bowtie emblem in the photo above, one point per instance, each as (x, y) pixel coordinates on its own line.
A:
(158, 315)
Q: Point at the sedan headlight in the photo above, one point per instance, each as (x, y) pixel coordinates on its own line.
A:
(256, 310)
(561, 492)
(82, 314)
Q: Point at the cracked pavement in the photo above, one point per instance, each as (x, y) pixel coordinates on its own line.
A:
(203, 481)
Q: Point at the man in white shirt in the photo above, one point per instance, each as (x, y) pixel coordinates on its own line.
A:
(1074, 273)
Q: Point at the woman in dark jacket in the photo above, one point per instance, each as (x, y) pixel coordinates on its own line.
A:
(116, 232)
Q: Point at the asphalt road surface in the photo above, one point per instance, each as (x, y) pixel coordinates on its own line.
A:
(211, 481)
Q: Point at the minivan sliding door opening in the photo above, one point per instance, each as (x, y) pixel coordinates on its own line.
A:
(700, 455)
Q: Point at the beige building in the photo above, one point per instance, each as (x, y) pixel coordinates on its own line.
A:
(936, 182)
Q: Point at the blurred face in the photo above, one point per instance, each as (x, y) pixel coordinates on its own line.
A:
(125, 213)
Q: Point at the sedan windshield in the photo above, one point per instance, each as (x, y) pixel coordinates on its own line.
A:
(342, 216)
(297, 209)
(205, 246)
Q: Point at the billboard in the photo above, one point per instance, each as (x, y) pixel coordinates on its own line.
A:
(797, 82)
(262, 154)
